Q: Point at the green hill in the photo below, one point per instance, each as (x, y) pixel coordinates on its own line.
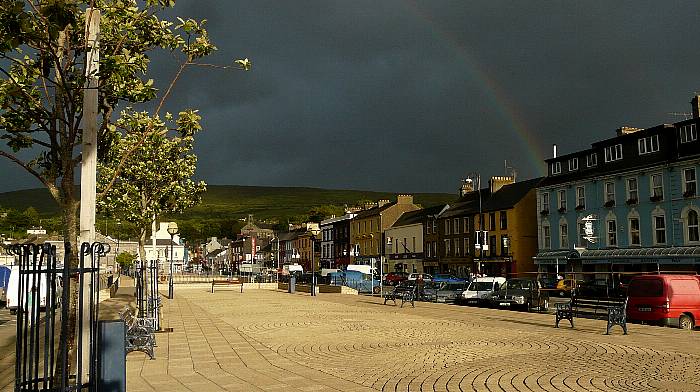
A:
(232, 201)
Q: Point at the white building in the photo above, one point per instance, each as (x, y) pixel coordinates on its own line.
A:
(161, 252)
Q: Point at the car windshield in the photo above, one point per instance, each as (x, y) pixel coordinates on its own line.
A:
(443, 276)
(480, 286)
(646, 288)
(516, 285)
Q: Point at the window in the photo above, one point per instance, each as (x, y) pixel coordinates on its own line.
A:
(434, 227)
(689, 182)
(492, 246)
(692, 225)
(456, 245)
(657, 186)
(580, 198)
(467, 249)
(561, 199)
(447, 247)
(467, 227)
(455, 226)
(435, 249)
(492, 220)
(689, 133)
(447, 226)
(573, 164)
(546, 236)
(648, 144)
(563, 236)
(613, 153)
(427, 251)
(612, 232)
(556, 167)
(504, 220)
(632, 193)
(545, 201)
(635, 239)
(592, 159)
(609, 193)
(505, 244)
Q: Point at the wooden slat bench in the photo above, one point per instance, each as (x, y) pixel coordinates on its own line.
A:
(615, 310)
(139, 333)
(226, 283)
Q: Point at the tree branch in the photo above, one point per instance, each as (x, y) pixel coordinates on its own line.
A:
(51, 187)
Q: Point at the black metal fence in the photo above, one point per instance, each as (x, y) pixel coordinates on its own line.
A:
(148, 302)
(56, 351)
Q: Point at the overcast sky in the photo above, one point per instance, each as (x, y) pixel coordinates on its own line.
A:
(410, 96)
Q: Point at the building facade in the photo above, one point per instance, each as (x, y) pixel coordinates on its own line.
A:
(335, 241)
(405, 246)
(628, 204)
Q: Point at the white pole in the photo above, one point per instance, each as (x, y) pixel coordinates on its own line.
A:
(88, 169)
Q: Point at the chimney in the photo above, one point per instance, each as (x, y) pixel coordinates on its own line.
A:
(696, 106)
(404, 199)
(498, 182)
(467, 186)
(369, 205)
(382, 203)
(624, 130)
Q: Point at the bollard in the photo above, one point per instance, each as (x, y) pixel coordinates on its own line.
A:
(292, 284)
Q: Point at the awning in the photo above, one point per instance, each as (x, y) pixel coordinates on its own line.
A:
(556, 257)
(660, 255)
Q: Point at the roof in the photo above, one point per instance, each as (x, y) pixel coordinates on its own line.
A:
(418, 216)
(467, 204)
(374, 211)
(509, 195)
(161, 242)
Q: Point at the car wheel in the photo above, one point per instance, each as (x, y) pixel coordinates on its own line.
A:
(562, 294)
(685, 322)
(13, 311)
(376, 289)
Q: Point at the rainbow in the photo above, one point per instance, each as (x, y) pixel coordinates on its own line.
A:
(497, 95)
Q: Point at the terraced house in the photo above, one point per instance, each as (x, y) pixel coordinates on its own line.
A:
(368, 226)
(628, 203)
(490, 231)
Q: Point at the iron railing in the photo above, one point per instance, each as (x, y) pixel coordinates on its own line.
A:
(43, 345)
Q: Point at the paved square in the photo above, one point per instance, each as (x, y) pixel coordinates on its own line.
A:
(267, 340)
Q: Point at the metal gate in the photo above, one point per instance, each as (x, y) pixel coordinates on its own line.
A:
(147, 299)
(44, 338)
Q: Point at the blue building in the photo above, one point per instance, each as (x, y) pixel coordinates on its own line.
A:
(627, 204)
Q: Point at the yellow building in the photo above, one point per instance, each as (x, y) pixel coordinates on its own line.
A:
(368, 226)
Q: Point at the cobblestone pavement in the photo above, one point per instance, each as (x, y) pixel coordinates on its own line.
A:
(266, 340)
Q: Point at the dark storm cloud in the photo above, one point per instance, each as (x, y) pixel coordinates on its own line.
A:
(412, 95)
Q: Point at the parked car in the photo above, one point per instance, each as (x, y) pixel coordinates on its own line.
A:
(480, 289)
(428, 291)
(523, 293)
(566, 286)
(599, 288)
(665, 299)
(394, 278)
(450, 291)
(424, 277)
(447, 278)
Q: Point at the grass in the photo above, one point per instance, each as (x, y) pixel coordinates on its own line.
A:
(233, 201)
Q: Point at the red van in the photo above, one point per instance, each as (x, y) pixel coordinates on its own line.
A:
(665, 299)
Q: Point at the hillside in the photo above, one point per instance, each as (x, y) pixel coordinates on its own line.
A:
(232, 201)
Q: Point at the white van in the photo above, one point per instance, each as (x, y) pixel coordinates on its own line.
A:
(292, 268)
(12, 289)
(480, 289)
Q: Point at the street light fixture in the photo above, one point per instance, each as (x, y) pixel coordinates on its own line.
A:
(314, 232)
(172, 230)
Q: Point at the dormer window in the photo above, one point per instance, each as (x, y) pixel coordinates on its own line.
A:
(613, 153)
(689, 133)
(573, 164)
(647, 145)
(556, 167)
(592, 159)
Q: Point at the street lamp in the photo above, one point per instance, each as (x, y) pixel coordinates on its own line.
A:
(278, 256)
(314, 232)
(172, 230)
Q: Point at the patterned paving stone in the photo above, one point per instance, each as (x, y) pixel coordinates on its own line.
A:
(268, 341)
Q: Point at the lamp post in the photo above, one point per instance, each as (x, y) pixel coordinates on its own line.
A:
(277, 239)
(172, 230)
(314, 232)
